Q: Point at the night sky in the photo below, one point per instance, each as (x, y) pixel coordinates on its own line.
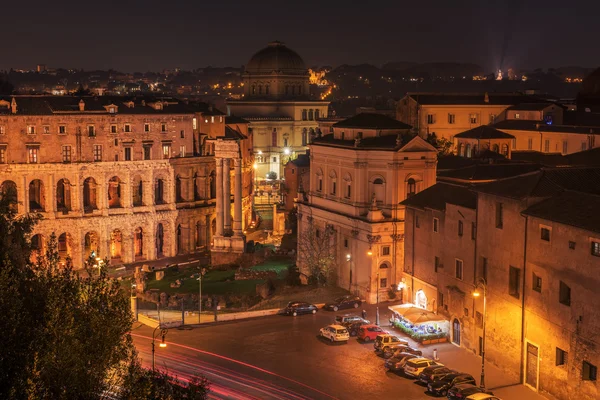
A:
(151, 35)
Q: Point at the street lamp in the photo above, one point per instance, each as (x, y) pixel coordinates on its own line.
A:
(370, 253)
(155, 334)
(476, 293)
(202, 272)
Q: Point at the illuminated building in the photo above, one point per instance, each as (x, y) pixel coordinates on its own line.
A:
(278, 105)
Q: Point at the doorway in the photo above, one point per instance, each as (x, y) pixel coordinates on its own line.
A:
(456, 332)
(531, 366)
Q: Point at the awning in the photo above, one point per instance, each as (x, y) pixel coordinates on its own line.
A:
(424, 317)
(406, 309)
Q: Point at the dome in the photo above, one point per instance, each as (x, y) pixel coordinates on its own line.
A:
(276, 57)
(591, 84)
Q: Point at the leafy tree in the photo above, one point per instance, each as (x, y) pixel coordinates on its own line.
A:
(316, 252)
(6, 87)
(443, 145)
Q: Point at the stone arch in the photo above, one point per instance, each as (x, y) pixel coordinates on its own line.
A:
(9, 193)
(178, 189)
(421, 299)
(138, 244)
(90, 195)
(496, 148)
(116, 244)
(468, 150)
(461, 150)
(63, 196)
(196, 187)
(38, 247)
(159, 190)
(65, 245)
(137, 192)
(213, 184)
(179, 239)
(304, 136)
(37, 196)
(115, 187)
(160, 240)
(91, 243)
(505, 150)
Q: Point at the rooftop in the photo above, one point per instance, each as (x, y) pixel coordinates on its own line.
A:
(386, 143)
(488, 172)
(232, 119)
(484, 132)
(303, 160)
(472, 98)
(371, 121)
(526, 125)
(530, 106)
(437, 196)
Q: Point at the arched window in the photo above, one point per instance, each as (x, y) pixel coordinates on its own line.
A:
(159, 191)
(411, 188)
(333, 183)
(468, 150)
(311, 115)
(253, 89)
(8, 191)
(266, 89)
(319, 180)
(37, 197)
(348, 188)
(378, 189)
(505, 150)
(316, 114)
(304, 137)
(138, 192)
(91, 242)
(496, 149)
(461, 150)
(311, 135)
(304, 115)
(114, 193)
(63, 196)
(259, 89)
(89, 195)
(64, 245)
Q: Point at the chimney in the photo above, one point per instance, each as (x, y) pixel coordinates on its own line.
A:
(81, 105)
(13, 106)
(486, 97)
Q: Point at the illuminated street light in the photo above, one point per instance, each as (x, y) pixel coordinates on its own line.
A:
(286, 151)
(476, 293)
(348, 257)
(255, 166)
(163, 344)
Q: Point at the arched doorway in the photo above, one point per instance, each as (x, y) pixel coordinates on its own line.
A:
(114, 192)
(89, 195)
(8, 190)
(456, 332)
(37, 198)
(64, 246)
(116, 241)
(421, 299)
(178, 190)
(138, 243)
(38, 247)
(159, 191)
(91, 244)
(63, 196)
(137, 191)
(160, 240)
(179, 239)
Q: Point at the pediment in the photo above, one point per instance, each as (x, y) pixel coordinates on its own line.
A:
(416, 145)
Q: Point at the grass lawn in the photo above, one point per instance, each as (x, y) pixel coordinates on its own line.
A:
(277, 264)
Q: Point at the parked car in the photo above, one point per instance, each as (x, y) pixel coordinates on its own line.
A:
(482, 396)
(369, 332)
(416, 365)
(462, 391)
(343, 302)
(433, 373)
(402, 349)
(441, 386)
(296, 308)
(335, 333)
(385, 342)
(348, 319)
(397, 362)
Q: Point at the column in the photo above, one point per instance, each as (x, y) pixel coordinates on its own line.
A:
(226, 196)
(237, 201)
(219, 187)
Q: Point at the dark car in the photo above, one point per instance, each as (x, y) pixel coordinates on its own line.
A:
(348, 319)
(297, 307)
(460, 392)
(343, 302)
(434, 373)
(354, 327)
(396, 363)
(441, 386)
(401, 349)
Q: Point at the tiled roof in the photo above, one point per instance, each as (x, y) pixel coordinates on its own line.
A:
(387, 142)
(231, 133)
(484, 132)
(435, 197)
(232, 119)
(569, 208)
(452, 161)
(588, 157)
(487, 172)
(530, 106)
(546, 159)
(525, 125)
(472, 98)
(371, 121)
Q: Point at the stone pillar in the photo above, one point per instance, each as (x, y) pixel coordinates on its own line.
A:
(219, 200)
(237, 205)
(226, 196)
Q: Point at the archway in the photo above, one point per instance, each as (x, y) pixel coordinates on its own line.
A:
(196, 188)
(496, 149)
(468, 150)
(64, 246)
(178, 190)
(89, 195)
(505, 150)
(213, 185)
(9, 194)
(63, 196)
(37, 198)
(38, 247)
(159, 191)
(179, 239)
(138, 243)
(91, 244)
(160, 240)
(456, 332)
(461, 150)
(198, 234)
(114, 193)
(421, 299)
(138, 191)
(116, 241)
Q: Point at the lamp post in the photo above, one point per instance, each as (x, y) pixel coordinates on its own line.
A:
(155, 334)
(370, 254)
(476, 293)
(202, 272)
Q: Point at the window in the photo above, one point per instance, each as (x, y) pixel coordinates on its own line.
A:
(411, 188)
(147, 126)
(333, 187)
(318, 233)
(212, 118)
(383, 283)
(588, 371)
(62, 129)
(451, 118)
(163, 128)
(530, 144)
(182, 152)
(436, 263)
(473, 118)
(547, 145)
(514, 280)
(274, 137)
(499, 215)
(346, 243)
(194, 124)
(91, 130)
(460, 228)
(430, 119)
(310, 115)
(127, 155)
(436, 223)
(2, 129)
(385, 251)
(113, 129)
(458, 269)
(571, 245)
(348, 190)
(484, 268)
(274, 159)
(304, 112)
(478, 319)
(596, 249)
(561, 357)
(545, 234)
(32, 155)
(583, 146)
(473, 231)
(319, 184)
(46, 129)
(127, 128)
(517, 116)
(66, 154)
(285, 142)
(316, 114)
(31, 129)
(97, 152)
(564, 294)
(2, 155)
(182, 134)
(147, 152)
(417, 222)
(565, 146)
(536, 283)
(466, 311)
(166, 149)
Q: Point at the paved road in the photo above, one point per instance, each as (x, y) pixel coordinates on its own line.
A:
(278, 357)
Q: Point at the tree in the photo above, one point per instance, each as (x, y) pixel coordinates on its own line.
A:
(5, 87)
(443, 145)
(316, 252)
